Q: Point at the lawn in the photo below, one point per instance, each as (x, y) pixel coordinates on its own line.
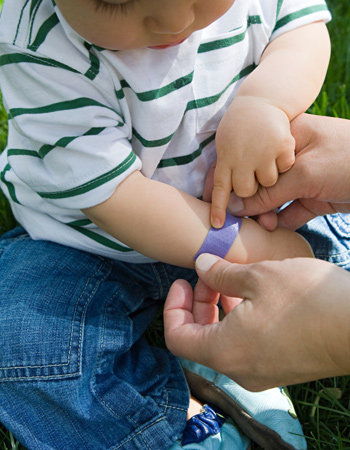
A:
(323, 406)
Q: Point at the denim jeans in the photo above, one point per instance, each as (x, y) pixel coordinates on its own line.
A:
(76, 371)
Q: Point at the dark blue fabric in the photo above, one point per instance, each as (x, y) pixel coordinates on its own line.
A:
(203, 425)
(76, 371)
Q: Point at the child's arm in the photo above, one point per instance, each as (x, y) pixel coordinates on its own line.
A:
(253, 140)
(169, 225)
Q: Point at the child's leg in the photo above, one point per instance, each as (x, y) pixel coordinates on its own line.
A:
(329, 237)
(75, 372)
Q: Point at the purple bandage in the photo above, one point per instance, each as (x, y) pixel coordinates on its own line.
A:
(219, 240)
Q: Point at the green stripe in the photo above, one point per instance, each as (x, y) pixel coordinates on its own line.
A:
(45, 149)
(100, 239)
(254, 20)
(151, 144)
(119, 94)
(205, 101)
(181, 160)
(93, 184)
(21, 152)
(80, 223)
(78, 103)
(94, 69)
(16, 58)
(297, 14)
(222, 43)
(44, 30)
(279, 6)
(10, 187)
(34, 7)
(19, 22)
(161, 92)
(64, 141)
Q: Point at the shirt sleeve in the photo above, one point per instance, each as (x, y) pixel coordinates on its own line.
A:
(292, 14)
(68, 138)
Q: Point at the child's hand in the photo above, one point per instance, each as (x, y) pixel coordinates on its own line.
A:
(254, 144)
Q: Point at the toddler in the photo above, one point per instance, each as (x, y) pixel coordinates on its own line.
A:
(116, 110)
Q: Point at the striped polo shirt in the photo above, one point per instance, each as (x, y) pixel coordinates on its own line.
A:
(82, 118)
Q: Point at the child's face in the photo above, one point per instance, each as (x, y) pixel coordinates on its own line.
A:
(132, 24)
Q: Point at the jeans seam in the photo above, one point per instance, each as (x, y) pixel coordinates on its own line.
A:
(172, 407)
(166, 404)
(139, 432)
(330, 255)
(166, 276)
(93, 384)
(81, 327)
(37, 377)
(159, 280)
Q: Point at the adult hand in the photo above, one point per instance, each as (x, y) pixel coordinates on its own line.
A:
(318, 182)
(291, 327)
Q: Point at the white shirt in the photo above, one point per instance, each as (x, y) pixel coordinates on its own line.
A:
(82, 118)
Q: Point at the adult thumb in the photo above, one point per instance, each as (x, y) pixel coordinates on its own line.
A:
(228, 278)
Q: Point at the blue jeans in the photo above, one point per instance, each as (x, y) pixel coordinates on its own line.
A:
(329, 236)
(76, 371)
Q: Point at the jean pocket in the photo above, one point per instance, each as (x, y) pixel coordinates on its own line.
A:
(45, 290)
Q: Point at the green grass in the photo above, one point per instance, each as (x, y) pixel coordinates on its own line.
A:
(323, 406)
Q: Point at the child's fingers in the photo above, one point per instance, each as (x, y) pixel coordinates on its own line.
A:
(209, 184)
(268, 174)
(244, 183)
(220, 196)
(285, 161)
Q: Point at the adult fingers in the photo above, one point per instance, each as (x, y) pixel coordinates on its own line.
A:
(183, 337)
(229, 303)
(301, 211)
(268, 220)
(205, 300)
(295, 215)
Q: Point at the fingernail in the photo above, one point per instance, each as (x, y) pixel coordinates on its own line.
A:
(216, 223)
(235, 204)
(205, 261)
